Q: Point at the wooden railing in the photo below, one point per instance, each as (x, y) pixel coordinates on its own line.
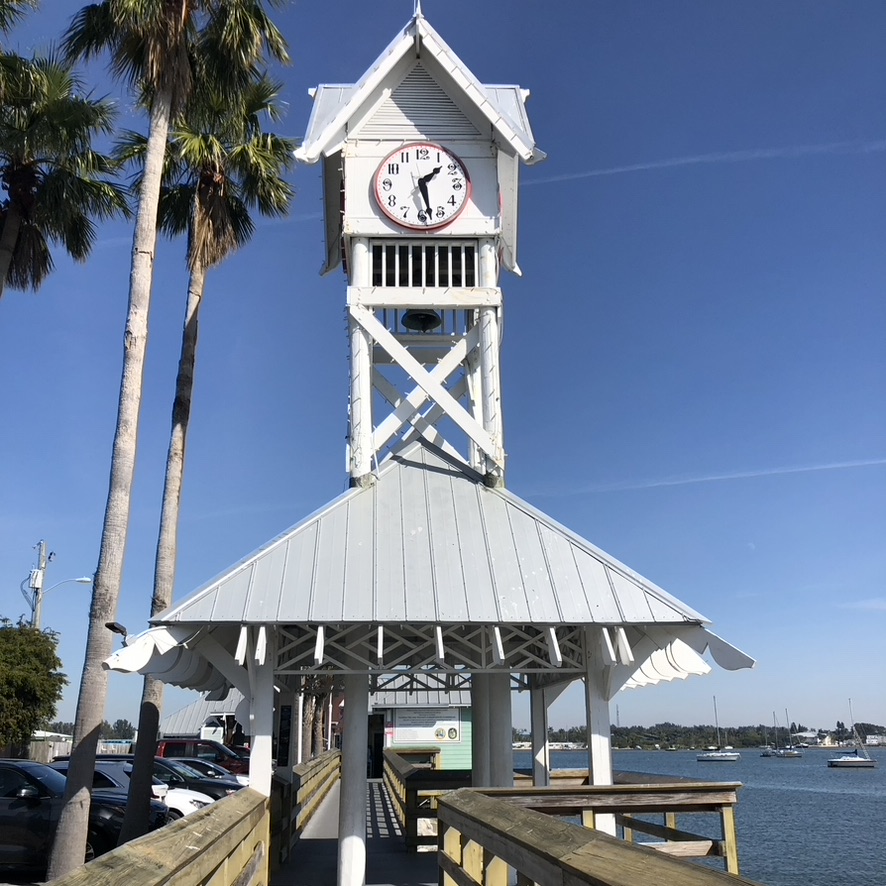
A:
(225, 844)
(482, 838)
(648, 795)
(414, 791)
(295, 797)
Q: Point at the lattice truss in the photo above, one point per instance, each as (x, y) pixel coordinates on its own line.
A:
(425, 382)
(430, 656)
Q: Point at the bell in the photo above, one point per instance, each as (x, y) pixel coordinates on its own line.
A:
(421, 319)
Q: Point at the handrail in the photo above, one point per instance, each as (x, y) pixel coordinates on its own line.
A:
(482, 837)
(296, 795)
(665, 796)
(226, 843)
(414, 791)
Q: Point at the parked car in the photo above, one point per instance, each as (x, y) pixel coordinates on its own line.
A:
(177, 775)
(116, 774)
(212, 770)
(205, 749)
(30, 804)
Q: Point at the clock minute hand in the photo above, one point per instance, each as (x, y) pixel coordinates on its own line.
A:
(423, 190)
(423, 187)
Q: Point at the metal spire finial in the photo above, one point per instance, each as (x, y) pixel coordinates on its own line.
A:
(417, 11)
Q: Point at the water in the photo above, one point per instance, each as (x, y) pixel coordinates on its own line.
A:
(799, 822)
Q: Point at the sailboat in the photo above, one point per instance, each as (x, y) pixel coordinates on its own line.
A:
(788, 751)
(718, 756)
(859, 758)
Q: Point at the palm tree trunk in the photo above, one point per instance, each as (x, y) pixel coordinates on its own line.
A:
(138, 806)
(8, 239)
(71, 834)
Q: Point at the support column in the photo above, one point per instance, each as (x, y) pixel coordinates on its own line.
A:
(540, 699)
(501, 745)
(598, 724)
(261, 710)
(352, 809)
(480, 777)
(490, 379)
(360, 442)
(299, 729)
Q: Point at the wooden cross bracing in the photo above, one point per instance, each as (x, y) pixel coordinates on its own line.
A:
(455, 375)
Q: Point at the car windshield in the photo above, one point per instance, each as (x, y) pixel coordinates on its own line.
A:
(52, 780)
(180, 769)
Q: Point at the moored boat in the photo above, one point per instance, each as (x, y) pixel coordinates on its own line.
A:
(718, 755)
(858, 758)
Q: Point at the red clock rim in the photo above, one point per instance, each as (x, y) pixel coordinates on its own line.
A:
(425, 227)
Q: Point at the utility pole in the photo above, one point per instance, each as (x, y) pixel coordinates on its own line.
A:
(37, 582)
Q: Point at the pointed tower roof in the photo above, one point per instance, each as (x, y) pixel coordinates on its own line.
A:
(337, 106)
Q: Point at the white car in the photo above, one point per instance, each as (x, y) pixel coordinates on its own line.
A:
(183, 802)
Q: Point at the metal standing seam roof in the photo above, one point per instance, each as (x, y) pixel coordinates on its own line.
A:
(429, 543)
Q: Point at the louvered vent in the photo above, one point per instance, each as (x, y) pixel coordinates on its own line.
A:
(418, 108)
(423, 264)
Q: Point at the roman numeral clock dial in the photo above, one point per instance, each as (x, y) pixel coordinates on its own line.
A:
(422, 186)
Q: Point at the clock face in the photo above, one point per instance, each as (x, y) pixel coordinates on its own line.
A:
(421, 186)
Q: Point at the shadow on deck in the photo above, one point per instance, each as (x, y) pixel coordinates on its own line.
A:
(388, 863)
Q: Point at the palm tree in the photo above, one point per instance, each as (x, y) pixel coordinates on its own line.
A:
(220, 165)
(51, 174)
(153, 47)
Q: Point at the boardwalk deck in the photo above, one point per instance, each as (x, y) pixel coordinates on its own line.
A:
(388, 863)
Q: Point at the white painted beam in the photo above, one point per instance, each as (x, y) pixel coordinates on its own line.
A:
(261, 721)
(498, 648)
(554, 654)
(320, 645)
(242, 642)
(441, 298)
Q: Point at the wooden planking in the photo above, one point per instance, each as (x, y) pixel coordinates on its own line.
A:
(545, 850)
(192, 851)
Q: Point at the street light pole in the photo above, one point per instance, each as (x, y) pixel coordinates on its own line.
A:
(36, 581)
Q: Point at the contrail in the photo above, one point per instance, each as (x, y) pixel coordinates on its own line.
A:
(788, 153)
(713, 478)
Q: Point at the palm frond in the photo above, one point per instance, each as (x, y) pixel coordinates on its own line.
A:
(12, 12)
(31, 260)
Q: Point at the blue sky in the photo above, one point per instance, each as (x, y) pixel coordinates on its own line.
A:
(694, 365)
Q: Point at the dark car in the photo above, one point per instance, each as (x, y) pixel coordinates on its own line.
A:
(177, 775)
(205, 749)
(30, 804)
(208, 769)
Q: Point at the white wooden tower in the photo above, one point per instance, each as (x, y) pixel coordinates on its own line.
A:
(420, 167)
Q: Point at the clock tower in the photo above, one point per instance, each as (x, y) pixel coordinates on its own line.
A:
(420, 169)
